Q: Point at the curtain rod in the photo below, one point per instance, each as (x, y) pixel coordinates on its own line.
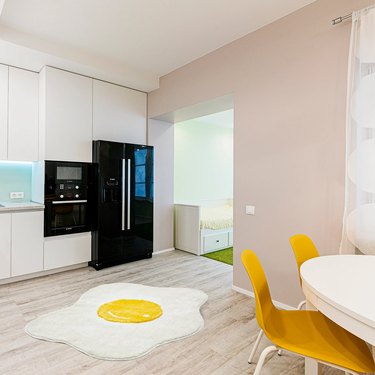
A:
(340, 19)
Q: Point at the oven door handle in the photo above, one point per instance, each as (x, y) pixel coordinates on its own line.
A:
(64, 202)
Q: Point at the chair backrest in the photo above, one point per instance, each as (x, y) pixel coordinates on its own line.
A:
(264, 305)
(304, 249)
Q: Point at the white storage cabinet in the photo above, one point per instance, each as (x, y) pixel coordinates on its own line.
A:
(119, 113)
(5, 245)
(66, 116)
(27, 242)
(21, 243)
(23, 121)
(4, 112)
(67, 250)
(19, 125)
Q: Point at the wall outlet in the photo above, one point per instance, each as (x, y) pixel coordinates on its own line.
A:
(250, 210)
(17, 195)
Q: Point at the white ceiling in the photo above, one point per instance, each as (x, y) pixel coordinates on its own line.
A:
(150, 36)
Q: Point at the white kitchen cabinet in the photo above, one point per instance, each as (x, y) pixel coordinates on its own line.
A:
(62, 251)
(23, 103)
(119, 113)
(19, 102)
(3, 112)
(66, 118)
(27, 242)
(5, 243)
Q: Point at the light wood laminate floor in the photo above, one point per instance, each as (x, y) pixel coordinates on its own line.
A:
(221, 348)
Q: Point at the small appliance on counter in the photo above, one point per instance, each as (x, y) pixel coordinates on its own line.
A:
(67, 198)
(124, 195)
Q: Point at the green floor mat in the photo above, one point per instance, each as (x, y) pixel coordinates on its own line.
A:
(225, 255)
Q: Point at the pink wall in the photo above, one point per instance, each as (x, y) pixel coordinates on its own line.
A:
(289, 85)
(161, 136)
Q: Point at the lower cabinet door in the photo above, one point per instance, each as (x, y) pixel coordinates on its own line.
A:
(5, 225)
(67, 250)
(27, 242)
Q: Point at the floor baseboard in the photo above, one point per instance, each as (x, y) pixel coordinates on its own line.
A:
(163, 251)
(281, 305)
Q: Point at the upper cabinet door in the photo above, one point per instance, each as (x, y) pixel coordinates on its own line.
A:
(66, 121)
(3, 112)
(23, 134)
(119, 113)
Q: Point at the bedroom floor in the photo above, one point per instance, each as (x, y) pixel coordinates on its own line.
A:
(221, 348)
(225, 255)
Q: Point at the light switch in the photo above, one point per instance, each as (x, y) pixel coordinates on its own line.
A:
(250, 210)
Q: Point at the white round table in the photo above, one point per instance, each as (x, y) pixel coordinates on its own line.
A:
(342, 287)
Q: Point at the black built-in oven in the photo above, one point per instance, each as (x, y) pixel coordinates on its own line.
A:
(67, 196)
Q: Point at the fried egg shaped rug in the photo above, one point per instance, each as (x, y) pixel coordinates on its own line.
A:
(123, 321)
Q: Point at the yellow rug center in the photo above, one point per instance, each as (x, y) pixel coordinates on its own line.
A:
(130, 311)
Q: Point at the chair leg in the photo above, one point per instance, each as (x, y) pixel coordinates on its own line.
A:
(255, 346)
(262, 358)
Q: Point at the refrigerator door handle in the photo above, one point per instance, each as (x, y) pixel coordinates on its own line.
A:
(129, 186)
(123, 196)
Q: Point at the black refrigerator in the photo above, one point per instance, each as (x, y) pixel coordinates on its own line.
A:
(123, 208)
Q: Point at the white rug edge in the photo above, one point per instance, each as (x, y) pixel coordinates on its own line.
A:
(122, 358)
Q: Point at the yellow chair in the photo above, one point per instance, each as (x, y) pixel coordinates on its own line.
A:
(308, 333)
(304, 249)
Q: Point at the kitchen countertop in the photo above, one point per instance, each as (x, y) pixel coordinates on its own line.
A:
(20, 206)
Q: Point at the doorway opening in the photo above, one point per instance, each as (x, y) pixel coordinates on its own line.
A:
(203, 185)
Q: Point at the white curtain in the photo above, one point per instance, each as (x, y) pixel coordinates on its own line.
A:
(359, 217)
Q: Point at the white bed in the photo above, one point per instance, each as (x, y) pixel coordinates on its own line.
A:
(203, 227)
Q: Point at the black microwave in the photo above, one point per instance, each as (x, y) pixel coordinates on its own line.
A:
(67, 198)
